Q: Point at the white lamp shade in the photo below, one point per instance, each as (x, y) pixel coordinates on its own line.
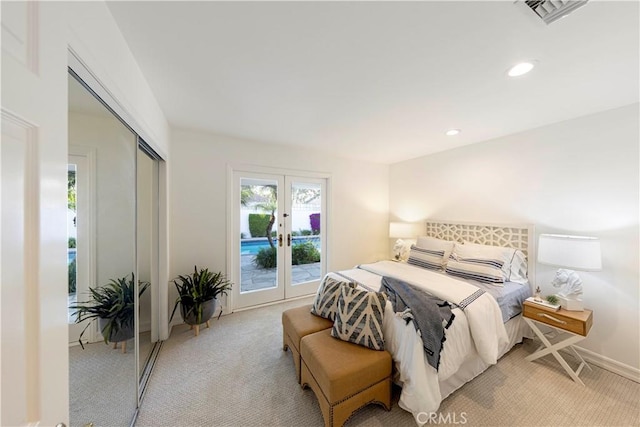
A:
(402, 230)
(572, 252)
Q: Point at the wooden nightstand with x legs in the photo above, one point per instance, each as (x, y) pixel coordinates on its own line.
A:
(574, 324)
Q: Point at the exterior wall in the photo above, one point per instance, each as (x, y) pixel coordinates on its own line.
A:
(576, 177)
(300, 219)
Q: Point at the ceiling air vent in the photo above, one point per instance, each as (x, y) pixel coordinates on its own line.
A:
(552, 10)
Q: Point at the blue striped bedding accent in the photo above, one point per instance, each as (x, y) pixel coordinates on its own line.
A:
(426, 258)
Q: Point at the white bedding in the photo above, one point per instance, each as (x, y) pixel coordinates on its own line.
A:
(476, 331)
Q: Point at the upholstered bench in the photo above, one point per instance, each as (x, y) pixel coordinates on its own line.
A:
(344, 376)
(297, 323)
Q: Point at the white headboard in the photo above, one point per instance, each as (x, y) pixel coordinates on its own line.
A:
(517, 236)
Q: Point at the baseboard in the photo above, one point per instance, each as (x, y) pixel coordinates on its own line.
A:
(274, 302)
(611, 365)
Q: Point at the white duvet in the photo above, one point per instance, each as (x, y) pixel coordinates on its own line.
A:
(476, 330)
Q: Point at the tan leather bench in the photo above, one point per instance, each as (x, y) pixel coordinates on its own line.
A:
(344, 376)
(297, 323)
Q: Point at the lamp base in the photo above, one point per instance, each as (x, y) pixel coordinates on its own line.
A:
(571, 304)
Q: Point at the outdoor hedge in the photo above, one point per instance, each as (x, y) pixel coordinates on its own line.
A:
(301, 253)
(258, 224)
(72, 277)
(266, 258)
(304, 253)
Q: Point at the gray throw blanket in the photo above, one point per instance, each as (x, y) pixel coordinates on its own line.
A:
(430, 315)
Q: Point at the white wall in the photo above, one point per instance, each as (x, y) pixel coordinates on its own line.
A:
(115, 150)
(198, 183)
(98, 45)
(95, 37)
(575, 177)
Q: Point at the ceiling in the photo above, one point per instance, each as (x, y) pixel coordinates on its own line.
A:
(379, 81)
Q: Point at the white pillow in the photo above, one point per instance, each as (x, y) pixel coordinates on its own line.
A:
(484, 270)
(426, 258)
(433, 244)
(514, 261)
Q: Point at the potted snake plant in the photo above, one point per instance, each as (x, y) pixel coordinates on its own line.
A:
(112, 306)
(198, 295)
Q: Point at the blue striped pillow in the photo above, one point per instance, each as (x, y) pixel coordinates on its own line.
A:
(484, 270)
(426, 258)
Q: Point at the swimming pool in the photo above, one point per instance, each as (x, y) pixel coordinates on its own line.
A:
(251, 247)
(71, 255)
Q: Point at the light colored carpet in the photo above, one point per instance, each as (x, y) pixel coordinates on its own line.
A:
(236, 374)
(102, 385)
(102, 382)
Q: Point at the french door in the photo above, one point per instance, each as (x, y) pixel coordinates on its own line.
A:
(279, 245)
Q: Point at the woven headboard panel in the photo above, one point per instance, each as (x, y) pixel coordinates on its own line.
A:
(517, 236)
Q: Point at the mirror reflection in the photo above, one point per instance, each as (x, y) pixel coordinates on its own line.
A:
(102, 263)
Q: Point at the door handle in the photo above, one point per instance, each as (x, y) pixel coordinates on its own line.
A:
(280, 240)
(288, 239)
(555, 319)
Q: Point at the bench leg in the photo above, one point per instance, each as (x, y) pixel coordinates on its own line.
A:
(288, 345)
(306, 379)
(335, 415)
(379, 393)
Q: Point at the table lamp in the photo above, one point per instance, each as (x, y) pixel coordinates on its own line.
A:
(401, 230)
(570, 253)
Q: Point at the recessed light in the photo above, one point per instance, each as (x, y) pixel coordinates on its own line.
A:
(452, 132)
(521, 69)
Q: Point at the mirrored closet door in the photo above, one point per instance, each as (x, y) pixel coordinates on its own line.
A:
(113, 261)
(147, 256)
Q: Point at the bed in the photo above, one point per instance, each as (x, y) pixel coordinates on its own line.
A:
(487, 324)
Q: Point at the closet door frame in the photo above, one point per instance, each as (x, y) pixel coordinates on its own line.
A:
(88, 79)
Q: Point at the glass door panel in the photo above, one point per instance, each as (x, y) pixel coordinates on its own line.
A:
(305, 235)
(260, 250)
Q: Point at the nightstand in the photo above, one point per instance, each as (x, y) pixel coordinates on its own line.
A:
(574, 324)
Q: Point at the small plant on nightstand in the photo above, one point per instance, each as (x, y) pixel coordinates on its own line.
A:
(552, 299)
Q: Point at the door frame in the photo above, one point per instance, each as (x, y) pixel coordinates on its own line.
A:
(228, 305)
(96, 87)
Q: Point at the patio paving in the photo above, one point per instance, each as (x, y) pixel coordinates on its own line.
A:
(254, 278)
